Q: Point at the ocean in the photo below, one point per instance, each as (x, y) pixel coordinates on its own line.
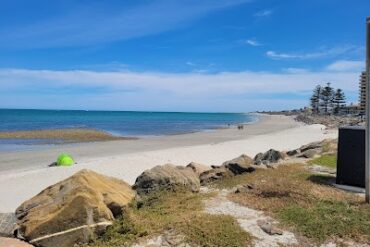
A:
(120, 123)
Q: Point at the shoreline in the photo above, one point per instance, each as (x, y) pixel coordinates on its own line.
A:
(24, 174)
(38, 139)
(40, 156)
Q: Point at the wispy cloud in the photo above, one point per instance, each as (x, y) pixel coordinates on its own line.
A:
(226, 91)
(346, 65)
(312, 55)
(296, 70)
(108, 21)
(253, 42)
(264, 13)
(190, 63)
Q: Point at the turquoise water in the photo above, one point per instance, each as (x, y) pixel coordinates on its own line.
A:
(122, 123)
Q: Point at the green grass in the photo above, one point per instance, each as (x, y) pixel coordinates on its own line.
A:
(327, 160)
(327, 218)
(179, 211)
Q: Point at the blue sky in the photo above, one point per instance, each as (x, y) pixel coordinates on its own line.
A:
(178, 55)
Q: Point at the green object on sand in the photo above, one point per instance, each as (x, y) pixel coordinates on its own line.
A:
(65, 160)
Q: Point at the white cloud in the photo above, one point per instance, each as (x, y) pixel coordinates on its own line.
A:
(346, 65)
(335, 51)
(275, 55)
(264, 13)
(227, 91)
(296, 70)
(253, 42)
(190, 63)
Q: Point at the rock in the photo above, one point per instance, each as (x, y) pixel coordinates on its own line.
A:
(166, 177)
(214, 174)
(293, 152)
(271, 156)
(245, 188)
(7, 224)
(198, 168)
(73, 211)
(240, 165)
(308, 154)
(269, 228)
(313, 145)
(13, 242)
(258, 159)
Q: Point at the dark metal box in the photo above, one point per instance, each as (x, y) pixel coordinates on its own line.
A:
(351, 156)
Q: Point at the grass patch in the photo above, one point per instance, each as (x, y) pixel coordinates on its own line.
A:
(327, 160)
(312, 209)
(230, 182)
(179, 211)
(215, 230)
(327, 218)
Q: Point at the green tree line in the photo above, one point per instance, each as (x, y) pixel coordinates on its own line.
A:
(327, 100)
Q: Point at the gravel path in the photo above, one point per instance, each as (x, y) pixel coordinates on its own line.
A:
(248, 219)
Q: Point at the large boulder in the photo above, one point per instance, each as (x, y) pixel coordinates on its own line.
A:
(214, 174)
(293, 152)
(240, 165)
(198, 168)
(166, 177)
(310, 153)
(315, 148)
(73, 211)
(271, 156)
(311, 146)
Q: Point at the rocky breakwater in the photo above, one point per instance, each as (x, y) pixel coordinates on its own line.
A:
(314, 149)
(242, 164)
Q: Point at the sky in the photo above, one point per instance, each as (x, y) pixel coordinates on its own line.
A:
(178, 55)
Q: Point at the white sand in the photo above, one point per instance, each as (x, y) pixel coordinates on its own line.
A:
(210, 148)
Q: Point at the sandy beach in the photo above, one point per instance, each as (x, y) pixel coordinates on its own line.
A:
(24, 174)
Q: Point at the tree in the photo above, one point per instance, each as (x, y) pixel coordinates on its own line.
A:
(327, 98)
(339, 100)
(315, 99)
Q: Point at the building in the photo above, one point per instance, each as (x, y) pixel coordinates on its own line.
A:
(351, 110)
(362, 99)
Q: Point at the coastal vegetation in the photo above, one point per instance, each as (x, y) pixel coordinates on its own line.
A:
(180, 211)
(302, 201)
(327, 160)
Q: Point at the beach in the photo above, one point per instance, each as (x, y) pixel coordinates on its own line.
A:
(25, 173)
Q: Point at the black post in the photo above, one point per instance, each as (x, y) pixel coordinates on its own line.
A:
(367, 167)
